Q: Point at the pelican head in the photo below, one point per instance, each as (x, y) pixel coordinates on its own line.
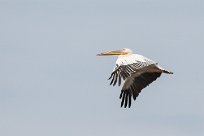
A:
(124, 51)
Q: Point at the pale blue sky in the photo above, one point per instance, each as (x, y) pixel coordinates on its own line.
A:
(52, 83)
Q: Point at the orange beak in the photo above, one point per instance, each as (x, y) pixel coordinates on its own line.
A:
(109, 53)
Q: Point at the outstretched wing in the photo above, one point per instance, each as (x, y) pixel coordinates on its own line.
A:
(126, 66)
(136, 82)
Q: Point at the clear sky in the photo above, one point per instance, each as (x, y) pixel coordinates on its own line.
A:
(52, 83)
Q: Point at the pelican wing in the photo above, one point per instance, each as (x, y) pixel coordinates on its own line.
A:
(136, 82)
(125, 67)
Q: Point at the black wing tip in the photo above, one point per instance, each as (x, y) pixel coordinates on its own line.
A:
(126, 99)
(125, 106)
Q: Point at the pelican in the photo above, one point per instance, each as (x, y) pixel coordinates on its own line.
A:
(135, 71)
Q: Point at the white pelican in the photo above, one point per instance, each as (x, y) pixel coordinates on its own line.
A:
(135, 70)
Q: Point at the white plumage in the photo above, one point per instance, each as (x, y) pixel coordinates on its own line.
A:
(131, 59)
(137, 72)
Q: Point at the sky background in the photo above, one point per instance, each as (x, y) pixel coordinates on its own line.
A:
(52, 83)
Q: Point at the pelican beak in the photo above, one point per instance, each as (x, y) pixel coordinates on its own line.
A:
(116, 52)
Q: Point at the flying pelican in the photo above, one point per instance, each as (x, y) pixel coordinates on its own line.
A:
(135, 70)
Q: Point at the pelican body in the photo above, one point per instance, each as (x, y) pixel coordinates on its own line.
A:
(135, 70)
